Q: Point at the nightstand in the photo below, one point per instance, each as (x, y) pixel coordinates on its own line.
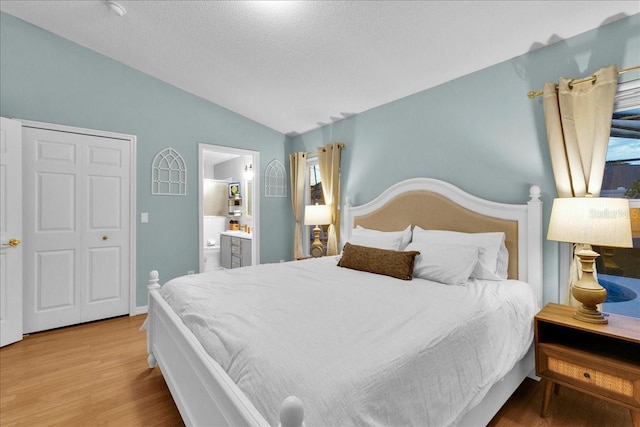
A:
(600, 360)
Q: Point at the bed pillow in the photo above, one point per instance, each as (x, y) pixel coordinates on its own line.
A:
(447, 263)
(503, 261)
(398, 264)
(489, 249)
(404, 234)
(380, 241)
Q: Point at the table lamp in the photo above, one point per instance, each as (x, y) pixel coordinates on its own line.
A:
(317, 215)
(588, 220)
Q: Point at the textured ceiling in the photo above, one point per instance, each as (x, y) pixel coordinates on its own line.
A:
(294, 66)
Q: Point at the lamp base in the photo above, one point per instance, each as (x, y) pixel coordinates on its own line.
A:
(590, 314)
(316, 246)
(588, 291)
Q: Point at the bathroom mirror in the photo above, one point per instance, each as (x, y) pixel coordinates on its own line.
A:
(248, 198)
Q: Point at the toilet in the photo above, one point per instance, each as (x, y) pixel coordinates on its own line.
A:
(213, 225)
(212, 258)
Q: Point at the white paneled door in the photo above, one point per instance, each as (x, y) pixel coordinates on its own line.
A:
(10, 231)
(76, 227)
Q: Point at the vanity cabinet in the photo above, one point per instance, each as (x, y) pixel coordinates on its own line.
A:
(235, 251)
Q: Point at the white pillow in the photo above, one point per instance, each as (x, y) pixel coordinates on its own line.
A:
(503, 261)
(404, 234)
(489, 249)
(447, 263)
(379, 241)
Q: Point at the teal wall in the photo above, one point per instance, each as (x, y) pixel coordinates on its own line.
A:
(47, 78)
(479, 132)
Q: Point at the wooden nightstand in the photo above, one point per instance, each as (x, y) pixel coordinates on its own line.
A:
(600, 360)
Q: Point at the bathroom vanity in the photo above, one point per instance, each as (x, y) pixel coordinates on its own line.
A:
(235, 249)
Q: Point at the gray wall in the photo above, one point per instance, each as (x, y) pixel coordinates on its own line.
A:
(46, 78)
(479, 132)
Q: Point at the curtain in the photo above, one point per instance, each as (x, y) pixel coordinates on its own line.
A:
(329, 163)
(578, 119)
(298, 167)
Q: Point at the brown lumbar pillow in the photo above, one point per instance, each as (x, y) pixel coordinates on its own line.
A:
(398, 264)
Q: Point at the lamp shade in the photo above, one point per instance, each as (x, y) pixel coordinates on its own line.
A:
(601, 221)
(317, 214)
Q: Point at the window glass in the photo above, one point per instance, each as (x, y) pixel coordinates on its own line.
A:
(619, 268)
(622, 170)
(315, 195)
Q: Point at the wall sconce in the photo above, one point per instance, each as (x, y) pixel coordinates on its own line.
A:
(248, 171)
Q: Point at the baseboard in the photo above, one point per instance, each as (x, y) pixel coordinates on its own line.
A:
(140, 310)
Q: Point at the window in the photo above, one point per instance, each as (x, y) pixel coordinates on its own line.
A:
(619, 268)
(314, 195)
(622, 170)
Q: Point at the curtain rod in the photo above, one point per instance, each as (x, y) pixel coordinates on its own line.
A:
(532, 94)
(341, 146)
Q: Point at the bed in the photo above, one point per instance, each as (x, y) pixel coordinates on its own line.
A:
(285, 352)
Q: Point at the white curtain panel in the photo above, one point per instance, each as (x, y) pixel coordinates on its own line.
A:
(298, 166)
(578, 118)
(329, 162)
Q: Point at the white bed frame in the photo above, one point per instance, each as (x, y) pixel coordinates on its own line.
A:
(206, 396)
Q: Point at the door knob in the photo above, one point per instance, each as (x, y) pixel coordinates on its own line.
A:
(12, 242)
(105, 237)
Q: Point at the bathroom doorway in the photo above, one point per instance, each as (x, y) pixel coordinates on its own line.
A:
(220, 211)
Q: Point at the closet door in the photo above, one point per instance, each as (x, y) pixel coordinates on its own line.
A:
(10, 231)
(76, 229)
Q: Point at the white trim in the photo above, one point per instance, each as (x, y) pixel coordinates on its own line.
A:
(142, 309)
(627, 96)
(565, 258)
(255, 233)
(132, 189)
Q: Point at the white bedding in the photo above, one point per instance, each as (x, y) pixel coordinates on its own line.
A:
(357, 348)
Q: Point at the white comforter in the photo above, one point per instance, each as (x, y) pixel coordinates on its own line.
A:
(357, 348)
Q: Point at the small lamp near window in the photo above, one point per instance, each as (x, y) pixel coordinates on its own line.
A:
(591, 221)
(317, 215)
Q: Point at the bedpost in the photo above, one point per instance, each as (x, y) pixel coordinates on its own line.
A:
(152, 286)
(154, 278)
(291, 413)
(348, 220)
(534, 223)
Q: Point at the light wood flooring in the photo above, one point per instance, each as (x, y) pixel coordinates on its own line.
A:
(96, 375)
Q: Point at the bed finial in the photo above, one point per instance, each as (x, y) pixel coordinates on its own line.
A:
(534, 193)
(291, 413)
(154, 278)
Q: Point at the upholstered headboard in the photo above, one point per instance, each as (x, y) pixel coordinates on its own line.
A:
(437, 205)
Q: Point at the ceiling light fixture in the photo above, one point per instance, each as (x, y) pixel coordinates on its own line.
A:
(117, 8)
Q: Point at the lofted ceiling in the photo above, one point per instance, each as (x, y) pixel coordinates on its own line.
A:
(296, 65)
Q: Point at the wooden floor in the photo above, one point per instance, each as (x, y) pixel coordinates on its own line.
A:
(96, 375)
